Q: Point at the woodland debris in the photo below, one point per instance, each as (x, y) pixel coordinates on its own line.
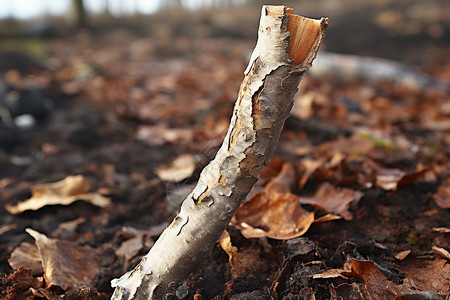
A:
(64, 192)
(333, 200)
(63, 264)
(373, 70)
(275, 212)
(181, 168)
(442, 196)
(402, 254)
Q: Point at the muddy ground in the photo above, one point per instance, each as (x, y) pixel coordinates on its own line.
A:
(116, 103)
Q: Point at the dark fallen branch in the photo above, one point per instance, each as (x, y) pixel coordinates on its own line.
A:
(372, 69)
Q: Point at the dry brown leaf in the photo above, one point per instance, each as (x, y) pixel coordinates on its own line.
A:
(390, 179)
(378, 286)
(402, 255)
(442, 196)
(303, 104)
(267, 174)
(159, 135)
(232, 251)
(334, 200)
(66, 264)
(354, 145)
(426, 275)
(63, 192)
(27, 256)
(131, 247)
(181, 168)
(309, 166)
(331, 273)
(327, 218)
(275, 213)
(441, 229)
(441, 252)
(283, 181)
(278, 216)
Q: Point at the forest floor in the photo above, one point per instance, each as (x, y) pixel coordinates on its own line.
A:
(124, 118)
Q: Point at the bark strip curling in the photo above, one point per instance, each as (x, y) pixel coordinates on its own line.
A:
(287, 44)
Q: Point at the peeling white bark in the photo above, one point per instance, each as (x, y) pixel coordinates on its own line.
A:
(263, 104)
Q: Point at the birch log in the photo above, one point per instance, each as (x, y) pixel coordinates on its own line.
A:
(287, 44)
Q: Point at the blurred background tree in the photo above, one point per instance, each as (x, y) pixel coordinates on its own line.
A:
(79, 13)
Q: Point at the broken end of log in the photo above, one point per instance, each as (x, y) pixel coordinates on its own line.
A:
(306, 36)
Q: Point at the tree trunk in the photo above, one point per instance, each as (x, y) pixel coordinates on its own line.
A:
(286, 47)
(79, 13)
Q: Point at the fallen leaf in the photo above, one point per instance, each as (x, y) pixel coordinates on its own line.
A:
(441, 229)
(66, 264)
(354, 145)
(278, 216)
(442, 196)
(181, 168)
(309, 166)
(331, 273)
(303, 104)
(282, 183)
(131, 247)
(267, 174)
(390, 179)
(334, 200)
(327, 218)
(274, 212)
(402, 255)
(425, 275)
(378, 286)
(232, 251)
(63, 192)
(27, 256)
(133, 240)
(159, 135)
(441, 252)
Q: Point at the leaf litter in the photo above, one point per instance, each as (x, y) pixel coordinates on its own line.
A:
(64, 192)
